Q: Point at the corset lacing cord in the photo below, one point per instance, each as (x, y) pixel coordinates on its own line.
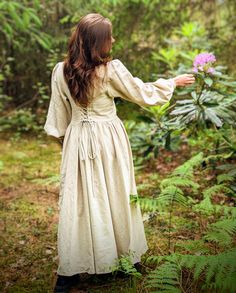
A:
(92, 146)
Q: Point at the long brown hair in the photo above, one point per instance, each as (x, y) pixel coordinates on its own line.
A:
(89, 46)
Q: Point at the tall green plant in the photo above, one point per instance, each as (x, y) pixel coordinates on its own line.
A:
(212, 100)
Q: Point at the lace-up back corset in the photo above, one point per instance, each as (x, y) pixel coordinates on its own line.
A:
(101, 109)
(86, 118)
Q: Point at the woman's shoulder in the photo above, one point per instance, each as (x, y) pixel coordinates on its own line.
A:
(116, 66)
(57, 68)
(115, 62)
(58, 74)
(107, 70)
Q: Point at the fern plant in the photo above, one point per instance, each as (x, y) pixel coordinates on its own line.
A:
(221, 232)
(124, 264)
(171, 191)
(205, 206)
(171, 188)
(217, 272)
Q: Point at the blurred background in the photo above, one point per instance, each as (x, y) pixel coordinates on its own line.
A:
(184, 151)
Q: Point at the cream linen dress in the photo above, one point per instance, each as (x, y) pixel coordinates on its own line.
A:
(97, 223)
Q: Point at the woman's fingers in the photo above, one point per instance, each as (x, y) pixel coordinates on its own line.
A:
(184, 79)
(189, 82)
(186, 75)
(189, 79)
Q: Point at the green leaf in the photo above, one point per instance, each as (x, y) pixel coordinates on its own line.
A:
(213, 117)
(228, 83)
(15, 16)
(8, 29)
(34, 17)
(194, 95)
(208, 81)
(26, 18)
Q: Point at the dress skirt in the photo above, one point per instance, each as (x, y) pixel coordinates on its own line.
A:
(97, 222)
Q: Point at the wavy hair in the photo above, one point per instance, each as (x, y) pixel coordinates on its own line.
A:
(89, 46)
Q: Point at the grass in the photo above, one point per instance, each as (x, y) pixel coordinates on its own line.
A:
(28, 215)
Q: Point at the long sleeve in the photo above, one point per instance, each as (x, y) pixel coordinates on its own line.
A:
(59, 111)
(122, 84)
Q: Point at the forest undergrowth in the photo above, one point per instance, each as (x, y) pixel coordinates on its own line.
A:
(197, 221)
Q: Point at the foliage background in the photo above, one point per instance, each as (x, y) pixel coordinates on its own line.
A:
(152, 37)
(185, 168)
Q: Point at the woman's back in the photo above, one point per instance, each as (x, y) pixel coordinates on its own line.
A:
(102, 105)
(115, 80)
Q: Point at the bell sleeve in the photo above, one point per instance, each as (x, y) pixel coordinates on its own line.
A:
(122, 84)
(59, 110)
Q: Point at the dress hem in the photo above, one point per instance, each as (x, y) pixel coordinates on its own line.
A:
(136, 259)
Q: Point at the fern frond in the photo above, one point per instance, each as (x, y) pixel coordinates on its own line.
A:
(228, 211)
(144, 187)
(199, 267)
(188, 261)
(186, 169)
(220, 270)
(229, 284)
(194, 246)
(172, 195)
(220, 237)
(154, 259)
(218, 157)
(165, 278)
(228, 225)
(221, 232)
(124, 263)
(148, 204)
(225, 177)
(205, 206)
(127, 267)
(215, 189)
(178, 181)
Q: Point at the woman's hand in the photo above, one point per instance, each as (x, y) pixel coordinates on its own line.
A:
(184, 79)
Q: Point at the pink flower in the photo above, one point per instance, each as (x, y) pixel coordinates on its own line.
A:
(203, 62)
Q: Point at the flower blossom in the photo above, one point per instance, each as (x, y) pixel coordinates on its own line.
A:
(203, 62)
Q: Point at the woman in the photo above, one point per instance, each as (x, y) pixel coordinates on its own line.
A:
(97, 222)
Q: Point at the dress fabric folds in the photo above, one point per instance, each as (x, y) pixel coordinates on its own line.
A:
(97, 222)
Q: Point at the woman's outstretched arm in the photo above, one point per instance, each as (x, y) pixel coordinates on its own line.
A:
(121, 83)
